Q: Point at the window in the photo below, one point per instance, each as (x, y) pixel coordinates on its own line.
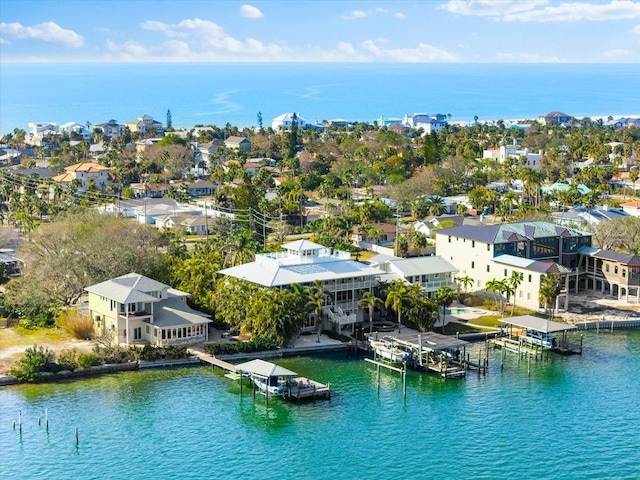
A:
(473, 243)
(449, 238)
(473, 264)
(488, 247)
(505, 272)
(147, 329)
(528, 296)
(487, 268)
(615, 269)
(520, 293)
(606, 267)
(624, 273)
(529, 278)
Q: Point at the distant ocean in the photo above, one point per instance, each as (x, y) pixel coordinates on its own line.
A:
(235, 93)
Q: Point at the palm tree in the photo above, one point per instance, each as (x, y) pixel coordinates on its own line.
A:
(444, 298)
(315, 302)
(548, 293)
(633, 176)
(515, 280)
(494, 285)
(370, 302)
(397, 297)
(436, 205)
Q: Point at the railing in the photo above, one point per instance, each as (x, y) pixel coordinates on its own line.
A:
(437, 284)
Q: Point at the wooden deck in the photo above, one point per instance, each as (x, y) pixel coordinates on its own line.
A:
(216, 362)
(302, 388)
(446, 369)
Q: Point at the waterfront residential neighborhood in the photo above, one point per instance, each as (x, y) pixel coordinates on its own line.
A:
(331, 228)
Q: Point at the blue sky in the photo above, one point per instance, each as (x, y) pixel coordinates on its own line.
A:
(320, 31)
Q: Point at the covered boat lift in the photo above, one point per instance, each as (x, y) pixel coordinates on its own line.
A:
(430, 351)
(537, 335)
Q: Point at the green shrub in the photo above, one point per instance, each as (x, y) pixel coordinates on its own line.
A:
(35, 360)
(68, 359)
(255, 345)
(115, 354)
(86, 360)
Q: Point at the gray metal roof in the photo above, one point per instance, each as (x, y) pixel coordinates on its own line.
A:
(422, 265)
(538, 324)
(529, 264)
(428, 340)
(128, 288)
(511, 232)
(174, 312)
(264, 369)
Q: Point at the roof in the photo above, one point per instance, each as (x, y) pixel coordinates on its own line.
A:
(538, 324)
(429, 340)
(174, 312)
(128, 288)
(88, 167)
(529, 264)
(272, 274)
(264, 369)
(420, 265)
(511, 232)
(234, 139)
(300, 245)
(564, 187)
(622, 258)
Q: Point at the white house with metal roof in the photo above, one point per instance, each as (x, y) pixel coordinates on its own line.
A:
(430, 272)
(140, 310)
(302, 262)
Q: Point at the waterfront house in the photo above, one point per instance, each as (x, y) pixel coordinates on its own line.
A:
(613, 273)
(145, 124)
(555, 118)
(111, 129)
(284, 121)
(581, 216)
(431, 272)
(139, 310)
(534, 249)
(429, 123)
(632, 208)
(303, 262)
(75, 129)
(39, 130)
(86, 175)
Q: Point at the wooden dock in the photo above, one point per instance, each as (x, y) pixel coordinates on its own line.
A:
(216, 362)
(302, 388)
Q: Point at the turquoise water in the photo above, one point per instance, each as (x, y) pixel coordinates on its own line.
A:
(235, 93)
(573, 417)
(455, 311)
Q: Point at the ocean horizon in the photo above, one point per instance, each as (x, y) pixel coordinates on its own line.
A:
(217, 94)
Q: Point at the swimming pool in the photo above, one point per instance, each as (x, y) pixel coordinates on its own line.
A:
(463, 310)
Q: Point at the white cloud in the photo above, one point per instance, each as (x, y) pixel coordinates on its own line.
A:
(422, 53)
(249, 11)
(541, 11)
(574, 12)
(400, 15)
(128, 50)
(636, 29)
(616, 53)
(528, 58)
(47, 32)
(346, 48)
(4, 41)
(356, 14)
(489, 8)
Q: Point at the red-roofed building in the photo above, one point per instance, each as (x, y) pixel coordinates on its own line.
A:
(87, 176)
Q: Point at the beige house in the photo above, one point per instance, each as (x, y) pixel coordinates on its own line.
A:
(140, 310)
(535, 249)
(87, 176)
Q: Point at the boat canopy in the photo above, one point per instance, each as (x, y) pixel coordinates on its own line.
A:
(538, 324)
(260, 368)
(428, 341)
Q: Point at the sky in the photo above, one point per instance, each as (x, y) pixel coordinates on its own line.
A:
(488, 31)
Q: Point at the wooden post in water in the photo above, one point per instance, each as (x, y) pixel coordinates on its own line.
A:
(529, 366)
(378, 378)
(46, 419)
(240, 373)
(502, 357)
(20, 421)
(404, 380)
(580, 344)
(612, 325)
(76, 437)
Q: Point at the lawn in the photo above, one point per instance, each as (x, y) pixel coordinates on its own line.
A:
(20, 336)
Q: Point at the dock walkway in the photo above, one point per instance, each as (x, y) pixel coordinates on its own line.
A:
(302, 388)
